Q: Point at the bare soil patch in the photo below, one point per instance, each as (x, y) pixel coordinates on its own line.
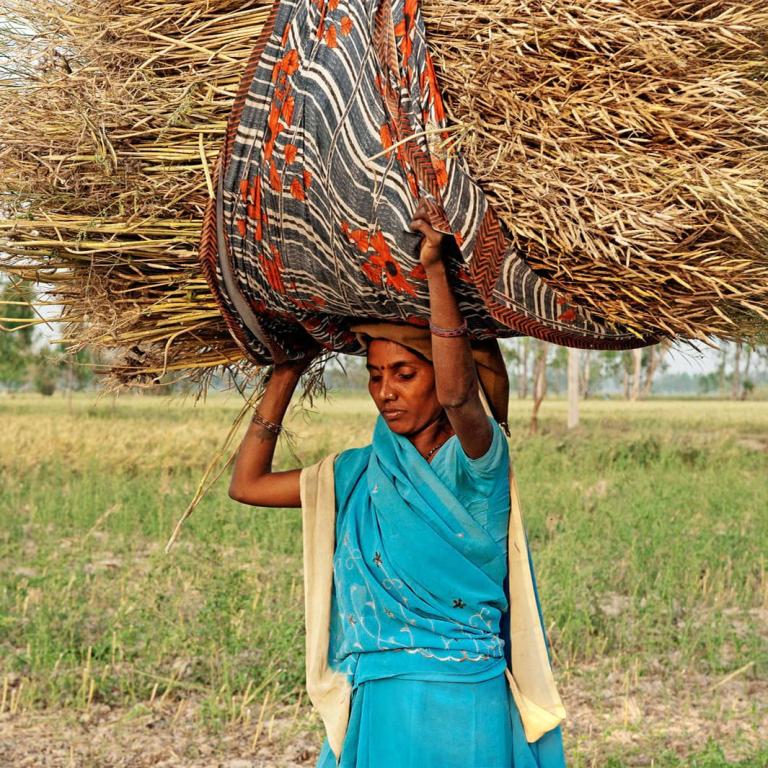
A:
(612, 712)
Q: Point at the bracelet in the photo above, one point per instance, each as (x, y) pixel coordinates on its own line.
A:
(448, 333)
(271, 426)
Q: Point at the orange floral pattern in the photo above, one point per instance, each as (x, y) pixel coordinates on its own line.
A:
(340, 130)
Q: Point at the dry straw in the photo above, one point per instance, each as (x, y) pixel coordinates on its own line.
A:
(623, 144)
(112, 114)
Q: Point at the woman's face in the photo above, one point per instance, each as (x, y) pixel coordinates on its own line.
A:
(402, 385)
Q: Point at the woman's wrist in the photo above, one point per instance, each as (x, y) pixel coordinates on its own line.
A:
(435, 269)
(273, 427)
(454, 331)
(278, 393)
(286, 373)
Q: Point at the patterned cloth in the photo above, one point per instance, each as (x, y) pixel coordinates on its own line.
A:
(337, 132)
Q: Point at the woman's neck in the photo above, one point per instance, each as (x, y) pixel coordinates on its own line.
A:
(431, 435)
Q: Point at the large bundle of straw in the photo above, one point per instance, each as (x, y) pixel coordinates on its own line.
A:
(112, 114)
(622, 143)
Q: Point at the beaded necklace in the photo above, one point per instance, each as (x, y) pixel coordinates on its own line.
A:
(439, 445)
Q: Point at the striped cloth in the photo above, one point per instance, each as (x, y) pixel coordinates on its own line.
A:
(337, 132)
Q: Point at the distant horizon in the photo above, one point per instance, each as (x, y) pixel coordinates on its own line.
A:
(682, 358)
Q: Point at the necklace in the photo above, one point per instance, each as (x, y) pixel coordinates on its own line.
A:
(439, 445)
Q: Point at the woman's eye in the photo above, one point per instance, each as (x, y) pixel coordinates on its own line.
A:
(407, 376)
(374, 379)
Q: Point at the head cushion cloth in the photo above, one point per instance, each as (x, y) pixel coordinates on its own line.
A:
(491, 370)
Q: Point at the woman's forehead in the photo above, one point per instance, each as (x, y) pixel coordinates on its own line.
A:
(383, 353)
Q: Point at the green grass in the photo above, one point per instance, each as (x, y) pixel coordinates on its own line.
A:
(711, 757)
(648, 527)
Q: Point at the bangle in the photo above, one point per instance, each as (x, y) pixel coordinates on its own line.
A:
(271, 426)
(448, 333)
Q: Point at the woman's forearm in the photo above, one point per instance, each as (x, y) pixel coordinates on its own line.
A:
(455, 374)
(456, 382)
(253, 481)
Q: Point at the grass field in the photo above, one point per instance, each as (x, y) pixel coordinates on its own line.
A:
(648, 526)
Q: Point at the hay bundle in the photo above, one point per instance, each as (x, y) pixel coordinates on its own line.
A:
(112, 114)
(622, 143)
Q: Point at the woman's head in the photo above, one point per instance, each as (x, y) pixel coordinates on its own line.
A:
(402, 384)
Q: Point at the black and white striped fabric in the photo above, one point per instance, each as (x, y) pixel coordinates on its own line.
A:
(339, 131)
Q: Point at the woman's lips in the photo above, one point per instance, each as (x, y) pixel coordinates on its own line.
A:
(392, 414)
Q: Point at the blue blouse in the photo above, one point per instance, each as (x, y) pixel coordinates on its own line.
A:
(482, 484)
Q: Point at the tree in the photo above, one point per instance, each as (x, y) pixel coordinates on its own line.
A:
(517, 352)
(721, 367)
(558, 369)
(616, 366)
(16, 332)
(588, 373)
(539, 382)
(736, 375)
(78, 368)
(637, 369)
(709, 382)
(654, 361)
(573, 388)
(522, 376)
(46, 369)
(346, 372)
(747, 385)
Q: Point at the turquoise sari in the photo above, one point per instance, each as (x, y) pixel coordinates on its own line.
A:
(418, 610)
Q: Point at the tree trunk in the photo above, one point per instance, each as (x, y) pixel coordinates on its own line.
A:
(522, 377)
(723, 353)
(539, 383)
(656, 355)
(586, 374)
(745, 375)
(69, 382)
(573, 388)
(736, 377)
(637, 367)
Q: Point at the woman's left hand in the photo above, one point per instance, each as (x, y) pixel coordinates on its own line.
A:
(431, 251)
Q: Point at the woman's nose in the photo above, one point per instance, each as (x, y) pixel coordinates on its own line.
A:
(386, 391)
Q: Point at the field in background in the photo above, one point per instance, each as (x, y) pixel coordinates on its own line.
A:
(648, 526)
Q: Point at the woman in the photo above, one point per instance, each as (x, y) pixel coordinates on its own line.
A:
(414, 627)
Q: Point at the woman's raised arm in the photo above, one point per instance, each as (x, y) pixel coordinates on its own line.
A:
(456, 381)
(253, 481)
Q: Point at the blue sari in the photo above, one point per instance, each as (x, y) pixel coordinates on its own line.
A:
(418, 610)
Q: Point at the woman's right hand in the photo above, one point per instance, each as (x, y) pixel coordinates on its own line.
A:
(297, 368)
(253, 481)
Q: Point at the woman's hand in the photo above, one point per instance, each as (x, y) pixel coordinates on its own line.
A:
(294, 369)
(432, 246)
(253, 481)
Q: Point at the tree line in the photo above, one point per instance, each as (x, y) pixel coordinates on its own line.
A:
(535, 367)
(25, 362)
(633, 374)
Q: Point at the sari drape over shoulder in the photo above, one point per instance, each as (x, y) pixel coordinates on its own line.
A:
(425, 591)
